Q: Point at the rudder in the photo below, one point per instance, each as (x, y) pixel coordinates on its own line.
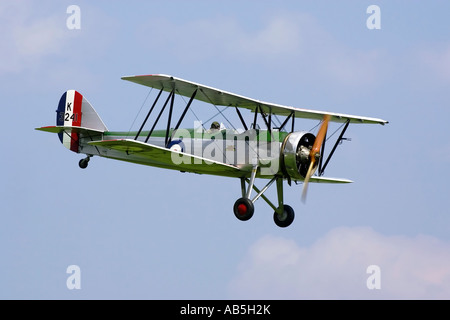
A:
(74, 110)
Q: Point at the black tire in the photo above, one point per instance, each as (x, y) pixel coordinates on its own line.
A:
(286, 219)
(243, 209)
(83, 163)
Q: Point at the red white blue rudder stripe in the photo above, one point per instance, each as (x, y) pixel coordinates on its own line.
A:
(75, 111)
(69, 115)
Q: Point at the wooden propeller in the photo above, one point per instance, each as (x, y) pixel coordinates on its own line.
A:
(314, 154)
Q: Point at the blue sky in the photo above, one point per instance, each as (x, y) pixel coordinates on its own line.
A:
(146, 233)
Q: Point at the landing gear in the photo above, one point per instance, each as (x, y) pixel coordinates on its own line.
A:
(244, 207)
(284, 214)
(84, 162)
(285, 218)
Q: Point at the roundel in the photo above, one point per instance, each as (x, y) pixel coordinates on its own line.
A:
(176, 145)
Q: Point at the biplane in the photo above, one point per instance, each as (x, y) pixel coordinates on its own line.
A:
(277, 153)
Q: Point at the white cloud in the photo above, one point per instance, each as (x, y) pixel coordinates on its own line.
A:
(334, 267)
(351, 67)
(38, 38)
(222, 37)
(280, 36)
(27, 37)
(437, 60)
(290, 41)
(36, 41)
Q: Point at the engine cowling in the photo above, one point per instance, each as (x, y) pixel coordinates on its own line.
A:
(295, 154)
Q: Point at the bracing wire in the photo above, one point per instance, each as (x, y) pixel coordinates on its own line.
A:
(336, 131)
(278, 120)
(331, 135)
(137, 115)
(219, 111)
(191, 110)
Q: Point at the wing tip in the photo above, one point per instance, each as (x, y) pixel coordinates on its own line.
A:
(145, 75)
(317, 179)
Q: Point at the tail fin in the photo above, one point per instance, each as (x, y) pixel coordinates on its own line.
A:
(75, 111)
(75, 116)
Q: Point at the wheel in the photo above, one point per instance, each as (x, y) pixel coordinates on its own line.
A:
(83, 163)
(286, 218)
(243, 209)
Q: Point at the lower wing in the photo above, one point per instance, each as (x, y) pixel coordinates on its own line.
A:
(176, 160)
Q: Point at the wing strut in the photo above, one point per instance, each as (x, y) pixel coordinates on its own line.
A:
(186, 109)
(293, 121)
(322, 169)
(256, 116)
(159, 115)
(286, 121)
(242, 119)
(148, 115)
(182, 116)
(166, 141)
(268, 123)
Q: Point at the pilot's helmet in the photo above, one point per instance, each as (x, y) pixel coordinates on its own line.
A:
(215, 125)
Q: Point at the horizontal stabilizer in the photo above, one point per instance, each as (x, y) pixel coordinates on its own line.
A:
(59, 129)
(315, 179)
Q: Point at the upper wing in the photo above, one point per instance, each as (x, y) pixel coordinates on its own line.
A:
(223, 98)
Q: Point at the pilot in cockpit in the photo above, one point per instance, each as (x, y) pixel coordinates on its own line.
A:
(215, 126)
